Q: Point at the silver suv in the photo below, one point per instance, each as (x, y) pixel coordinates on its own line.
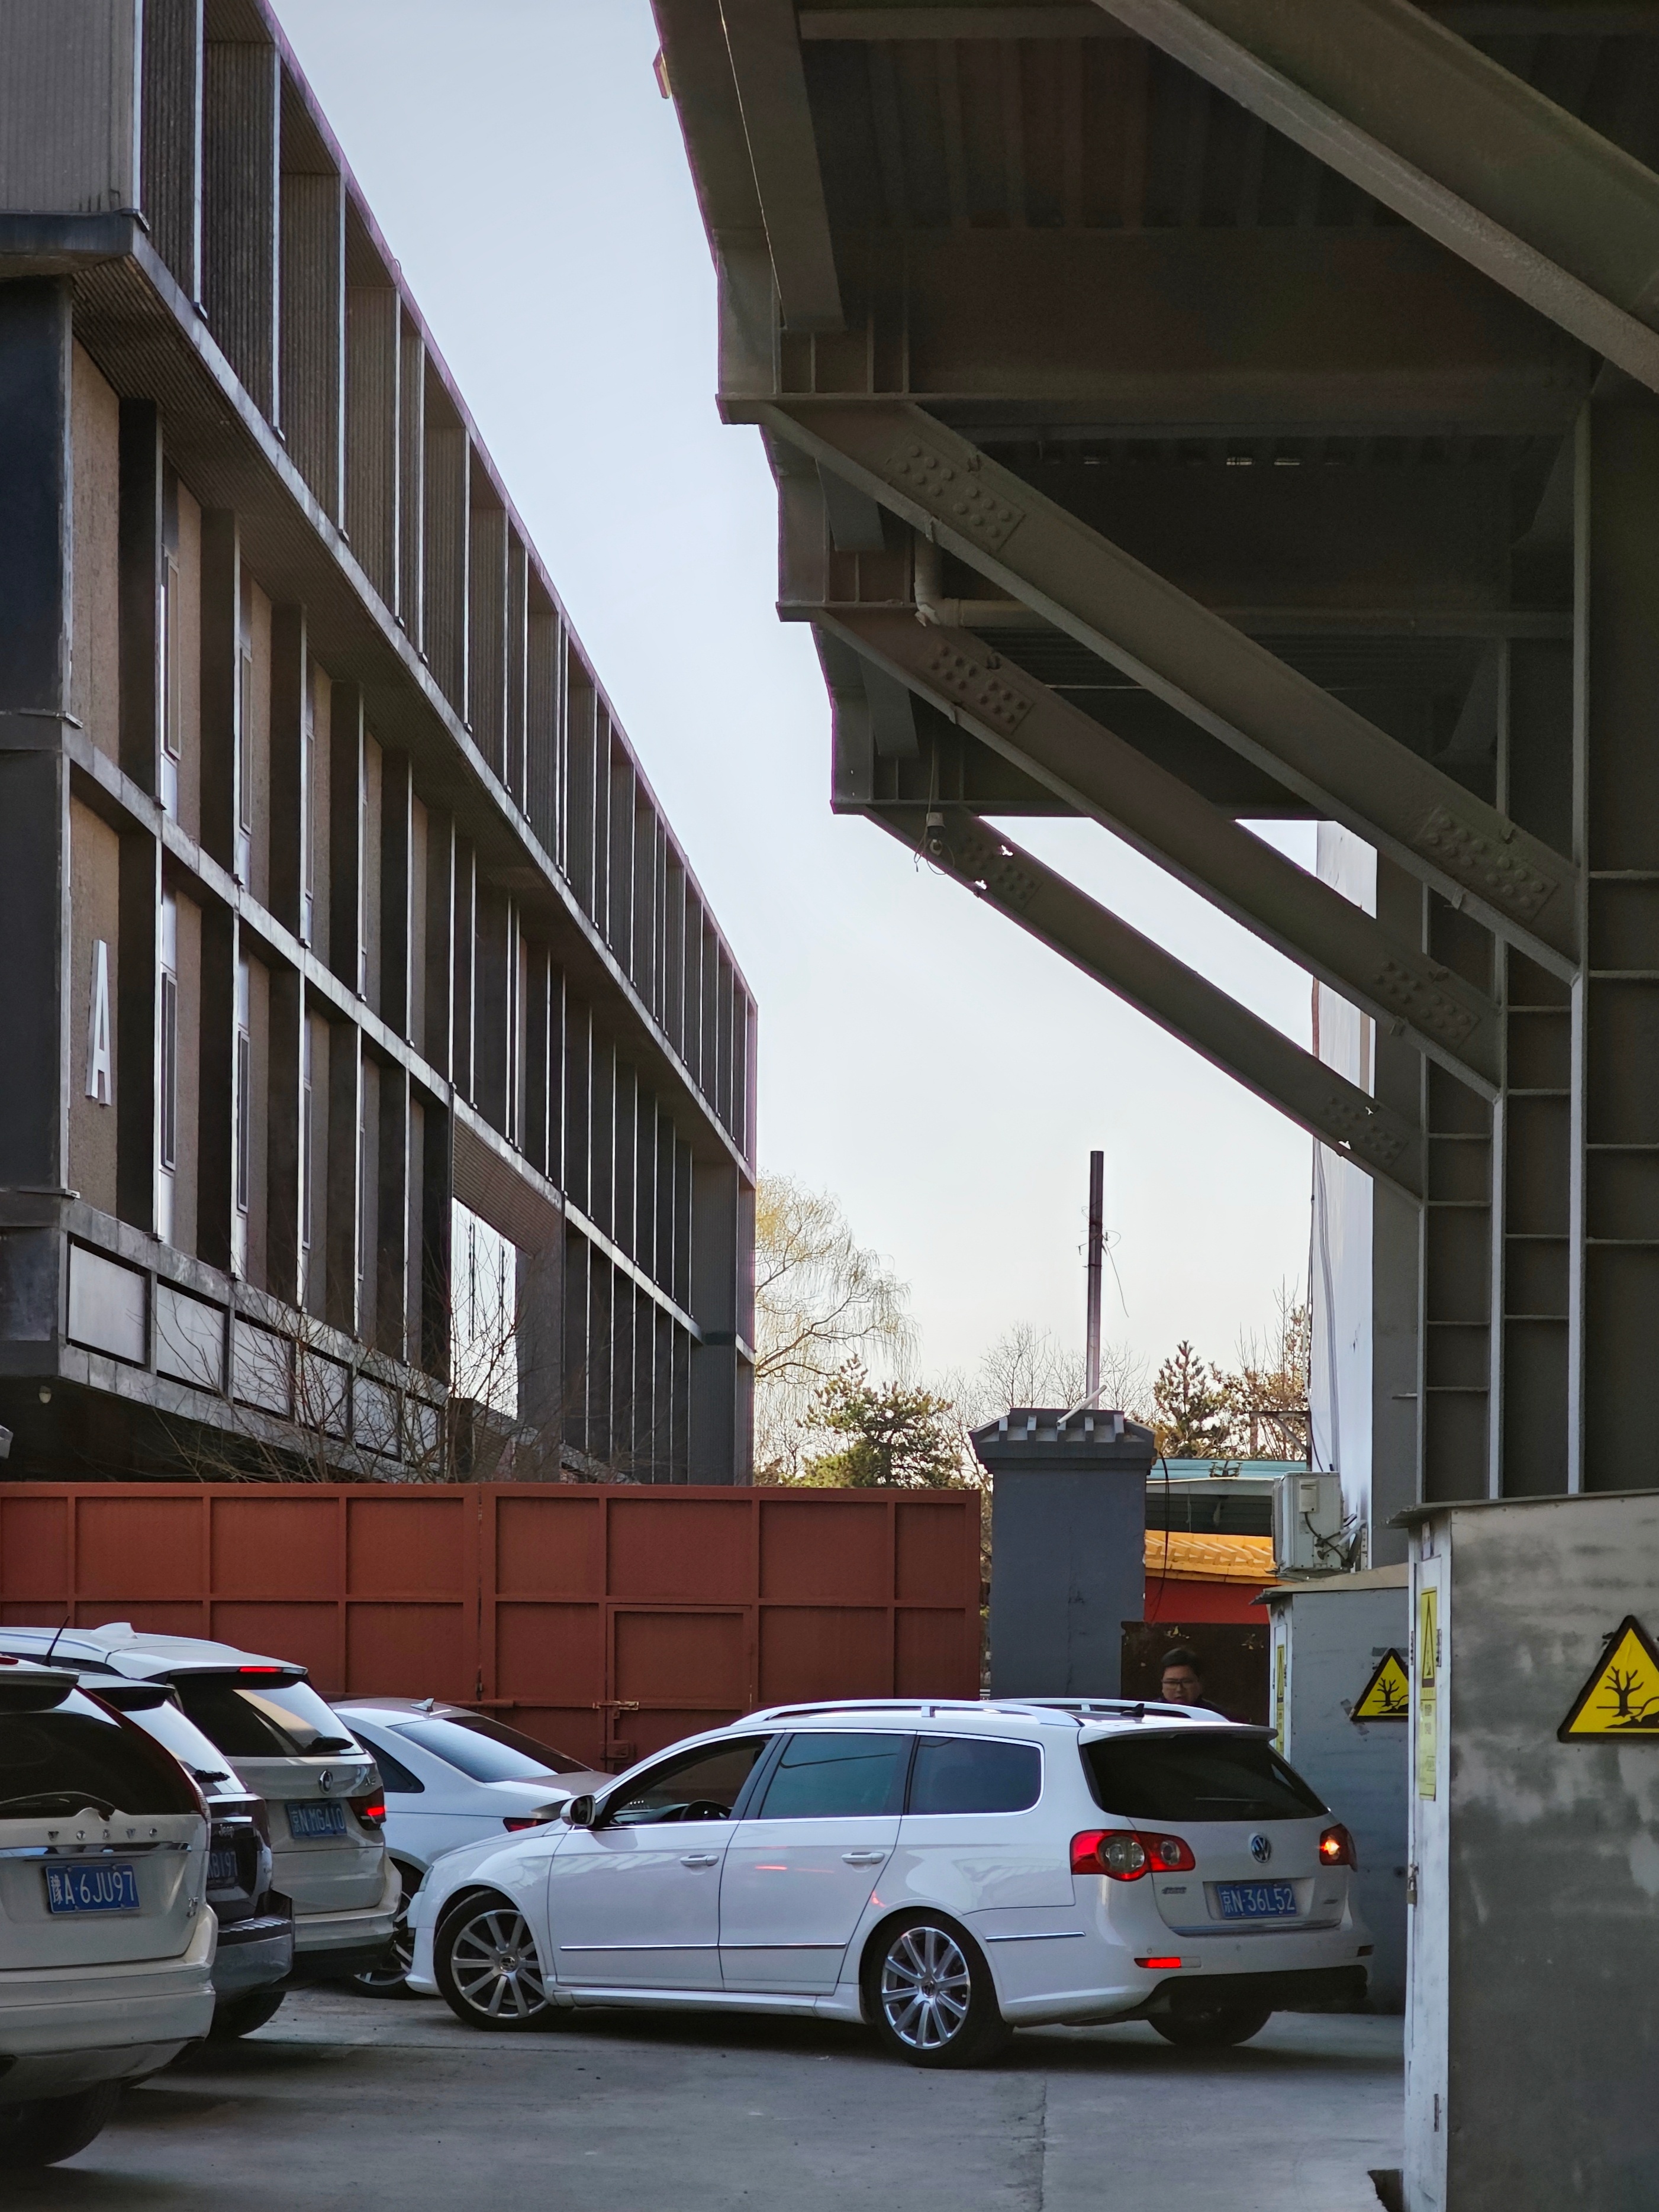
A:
(256, 1922)
(284, 1745)
(105, 1941)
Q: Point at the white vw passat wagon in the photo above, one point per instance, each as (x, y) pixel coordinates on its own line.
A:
(320, 1789)
(943, 1871)
(106, 1941)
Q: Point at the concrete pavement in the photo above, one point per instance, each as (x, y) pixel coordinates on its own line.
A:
(396, 2104)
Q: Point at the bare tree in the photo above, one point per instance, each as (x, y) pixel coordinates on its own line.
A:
(821, 1298)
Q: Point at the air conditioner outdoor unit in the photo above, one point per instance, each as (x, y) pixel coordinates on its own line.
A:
(1308, 1525)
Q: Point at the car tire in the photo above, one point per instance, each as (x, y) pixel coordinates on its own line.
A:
(1212, 2027)
(53, 2128)
(489, 1970)
(234, 2017)
(928, 1992)
(391, 1980)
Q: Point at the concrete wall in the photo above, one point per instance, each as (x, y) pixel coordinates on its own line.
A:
(1533, 2018)
(1332, 1635)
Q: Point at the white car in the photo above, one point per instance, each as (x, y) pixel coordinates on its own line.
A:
(450, 1776)
(286, 1746)
(107, 1941)
(942, 1871)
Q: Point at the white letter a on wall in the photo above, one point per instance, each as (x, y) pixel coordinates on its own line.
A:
(99, 1084)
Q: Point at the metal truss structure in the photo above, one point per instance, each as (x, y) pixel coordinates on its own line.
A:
(1188, 409)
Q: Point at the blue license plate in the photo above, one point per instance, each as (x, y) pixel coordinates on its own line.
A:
(316, 1820)
(223, 1871)
(92, 1889)
(1256, 1900)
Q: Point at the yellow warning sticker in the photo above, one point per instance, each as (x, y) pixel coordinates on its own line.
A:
(1388, 1695)
(1428, 1689)
(1621, 1697)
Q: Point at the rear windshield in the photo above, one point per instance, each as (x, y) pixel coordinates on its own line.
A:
(76, 1759)
(1202, 1775)
(250, 1717)
(555, 1762)
(477, 1755)
(182, 1738)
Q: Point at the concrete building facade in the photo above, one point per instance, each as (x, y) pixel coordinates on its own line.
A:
(381, 1084)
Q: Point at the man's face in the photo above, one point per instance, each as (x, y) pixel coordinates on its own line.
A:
(1182, 1687)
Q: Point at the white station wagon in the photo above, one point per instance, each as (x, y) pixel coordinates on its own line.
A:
(944, 1872)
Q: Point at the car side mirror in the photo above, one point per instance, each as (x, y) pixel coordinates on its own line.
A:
(579, 1812)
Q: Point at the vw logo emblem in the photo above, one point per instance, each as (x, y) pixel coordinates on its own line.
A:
(325, 1781)
(1262, 1848)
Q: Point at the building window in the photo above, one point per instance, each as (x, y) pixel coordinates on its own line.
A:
(308, 1159)
(244, 763)
(244, 1089)
(167, 1068)
(171, 687)
(310, 800)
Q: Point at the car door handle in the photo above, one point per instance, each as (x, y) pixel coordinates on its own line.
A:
(864, 1858)
(700, 1859)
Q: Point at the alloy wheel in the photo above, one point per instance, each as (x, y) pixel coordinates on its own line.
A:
(926, 1988)
(494, 1965)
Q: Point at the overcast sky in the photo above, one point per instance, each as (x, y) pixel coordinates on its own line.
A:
(943, 1076)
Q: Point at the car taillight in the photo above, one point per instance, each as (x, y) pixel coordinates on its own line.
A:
(1336, 1848)
(370, 1810)
(514, 1821)
(1123, 1855)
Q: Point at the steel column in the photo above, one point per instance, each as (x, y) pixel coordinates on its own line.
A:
(1614, 1288)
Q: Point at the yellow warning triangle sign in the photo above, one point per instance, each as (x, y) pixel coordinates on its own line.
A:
(1388, 1695)
(1622, 1698)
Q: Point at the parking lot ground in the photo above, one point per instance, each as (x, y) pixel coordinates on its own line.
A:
(383, 2104)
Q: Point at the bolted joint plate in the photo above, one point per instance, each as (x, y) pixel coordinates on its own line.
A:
(1484, 863)
(955, 492)
(1436, 1013)
(1370, 1130)
(985, 865)
(979, 688)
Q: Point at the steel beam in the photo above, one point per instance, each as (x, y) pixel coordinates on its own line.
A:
(1272, 332)
(1102, 775)
(1448, 138)
(1265, 1061)
(777, 119)
(1334, 759)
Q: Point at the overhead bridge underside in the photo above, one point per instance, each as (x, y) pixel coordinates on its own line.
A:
(1184, 410)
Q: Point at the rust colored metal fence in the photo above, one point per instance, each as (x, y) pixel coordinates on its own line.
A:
(609, 1620)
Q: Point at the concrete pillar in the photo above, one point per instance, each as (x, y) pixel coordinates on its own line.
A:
(720, 1374)
(1069, 1547)
(1533, 2026)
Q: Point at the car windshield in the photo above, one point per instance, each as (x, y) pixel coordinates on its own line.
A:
(251, 1717)
(77, 1757)
(477, 1756)
(1198, 1775)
